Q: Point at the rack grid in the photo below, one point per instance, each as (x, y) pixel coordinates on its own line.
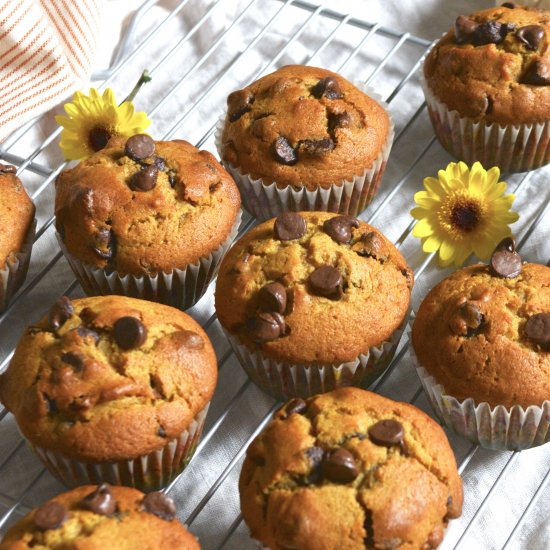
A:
(302, 32)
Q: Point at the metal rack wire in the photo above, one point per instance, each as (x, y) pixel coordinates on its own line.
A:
(318, 36)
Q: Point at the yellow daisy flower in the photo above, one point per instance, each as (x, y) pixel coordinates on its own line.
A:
(463, 211)
(93, 119)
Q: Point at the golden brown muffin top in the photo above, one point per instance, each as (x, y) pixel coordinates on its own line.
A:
(101, 518)
(109, 378)
(303, 126)
(140, 206)
(495, 66)
(487, 336)
(350, 470)
(16, 213)
(313, 287)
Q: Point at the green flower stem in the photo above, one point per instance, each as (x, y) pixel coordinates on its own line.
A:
(144, 78)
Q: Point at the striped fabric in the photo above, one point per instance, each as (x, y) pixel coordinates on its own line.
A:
(46, 53)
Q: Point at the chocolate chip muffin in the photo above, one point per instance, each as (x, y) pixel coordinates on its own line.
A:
(16, 233)
(307, 130)
(147, 219)
(112, 389)
(350, 469)
(313, 300)
(487, 83)
(483, 336)
(97, 518)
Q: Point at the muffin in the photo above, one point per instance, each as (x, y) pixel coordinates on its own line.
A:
(17, 225)
(482, 344)
(147, 219)
(487, 85)
(97, 518)
(350, 469)
(311, 301)
(304, 138)
(112, 389)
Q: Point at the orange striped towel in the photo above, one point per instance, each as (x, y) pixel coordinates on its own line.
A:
(46, 52)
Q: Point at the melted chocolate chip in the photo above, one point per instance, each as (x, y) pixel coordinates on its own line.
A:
(129, 333)
(294, 406)
(284, 153)
(101, 501)
(238, 104)
(464, 28)
(538, 74)
(86, 333)
(265, 327)
(327, 281)
(145, 179)
(340, 466)
(7, 169)
(161, 432)
(160, 163)
(139, 147)
(491, 32)
(289, 226)
(387, 433)
(531, 35)
(75, 359)
(160, 505)
(315, 456)
(60, 312)
(467, 321)
(339, 228)
(272, 297)
(341, 120)
(372, 245)
(87, 315)
(106, 237)
(505, 264)
(509, 5)
(50, 515)
(327, 87)
(537, 328)
(317, 147)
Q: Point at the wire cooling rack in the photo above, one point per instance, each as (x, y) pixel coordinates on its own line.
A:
(224, 46)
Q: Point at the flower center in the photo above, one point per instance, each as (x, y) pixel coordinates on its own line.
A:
(98, 138)
(465, 215)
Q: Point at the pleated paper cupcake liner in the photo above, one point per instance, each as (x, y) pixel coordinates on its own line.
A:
(180, 288)
(284, 381)
(264, 200)
(513, 148)
(146, 473)
(13, 274)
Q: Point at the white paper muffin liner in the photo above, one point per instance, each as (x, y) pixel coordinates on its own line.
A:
(146, 473)
(513, 148)
(180, 288)
(264, 200)
(286, 380)
(498, 428)
(13, 274)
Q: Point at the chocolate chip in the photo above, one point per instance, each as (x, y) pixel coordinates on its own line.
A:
(387, 433)
(238, 104)
(50, 515)
(7, 169)
(87, 315)
(317, 147)
(315, 456)
(467, 320)
(75, 359)
(191, 340)
(172, 179)
(507, 243)
(531, 35)
(284, 153)
(537, 328)
(161, 432)
(340, 466)
(272, 297)
(159, 505)
(490, 32)
(509, 5)
(139, 147)
(145, 179)
(86, 333)
(538, 74)
(464, 28)
(129, 333)
(505, 264)
(60, 312)
(265, 327)
(339, 228)
(101, 501)
(327, 281)
(372, 245)
(327, 87)
(295, 406)
(289, 226)
(160, 163)
(340, 120)
(50, 404)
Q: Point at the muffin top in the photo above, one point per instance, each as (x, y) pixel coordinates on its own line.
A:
(350, 470)
(486, 335)
(16, 214)
(313, 287)
(100, 518)
(495, 65)
(109, 378)
(141, 207)
(303, 126)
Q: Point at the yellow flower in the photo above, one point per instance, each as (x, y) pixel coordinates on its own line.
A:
(92, 120)
(463, 211)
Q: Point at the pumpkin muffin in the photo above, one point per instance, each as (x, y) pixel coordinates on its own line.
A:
(307, 130)
(112, 389)
(487, 84)
(96, 518)
(482, 341)
(313, 300)
(16, 234)
(148, 219)
(350, 470)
